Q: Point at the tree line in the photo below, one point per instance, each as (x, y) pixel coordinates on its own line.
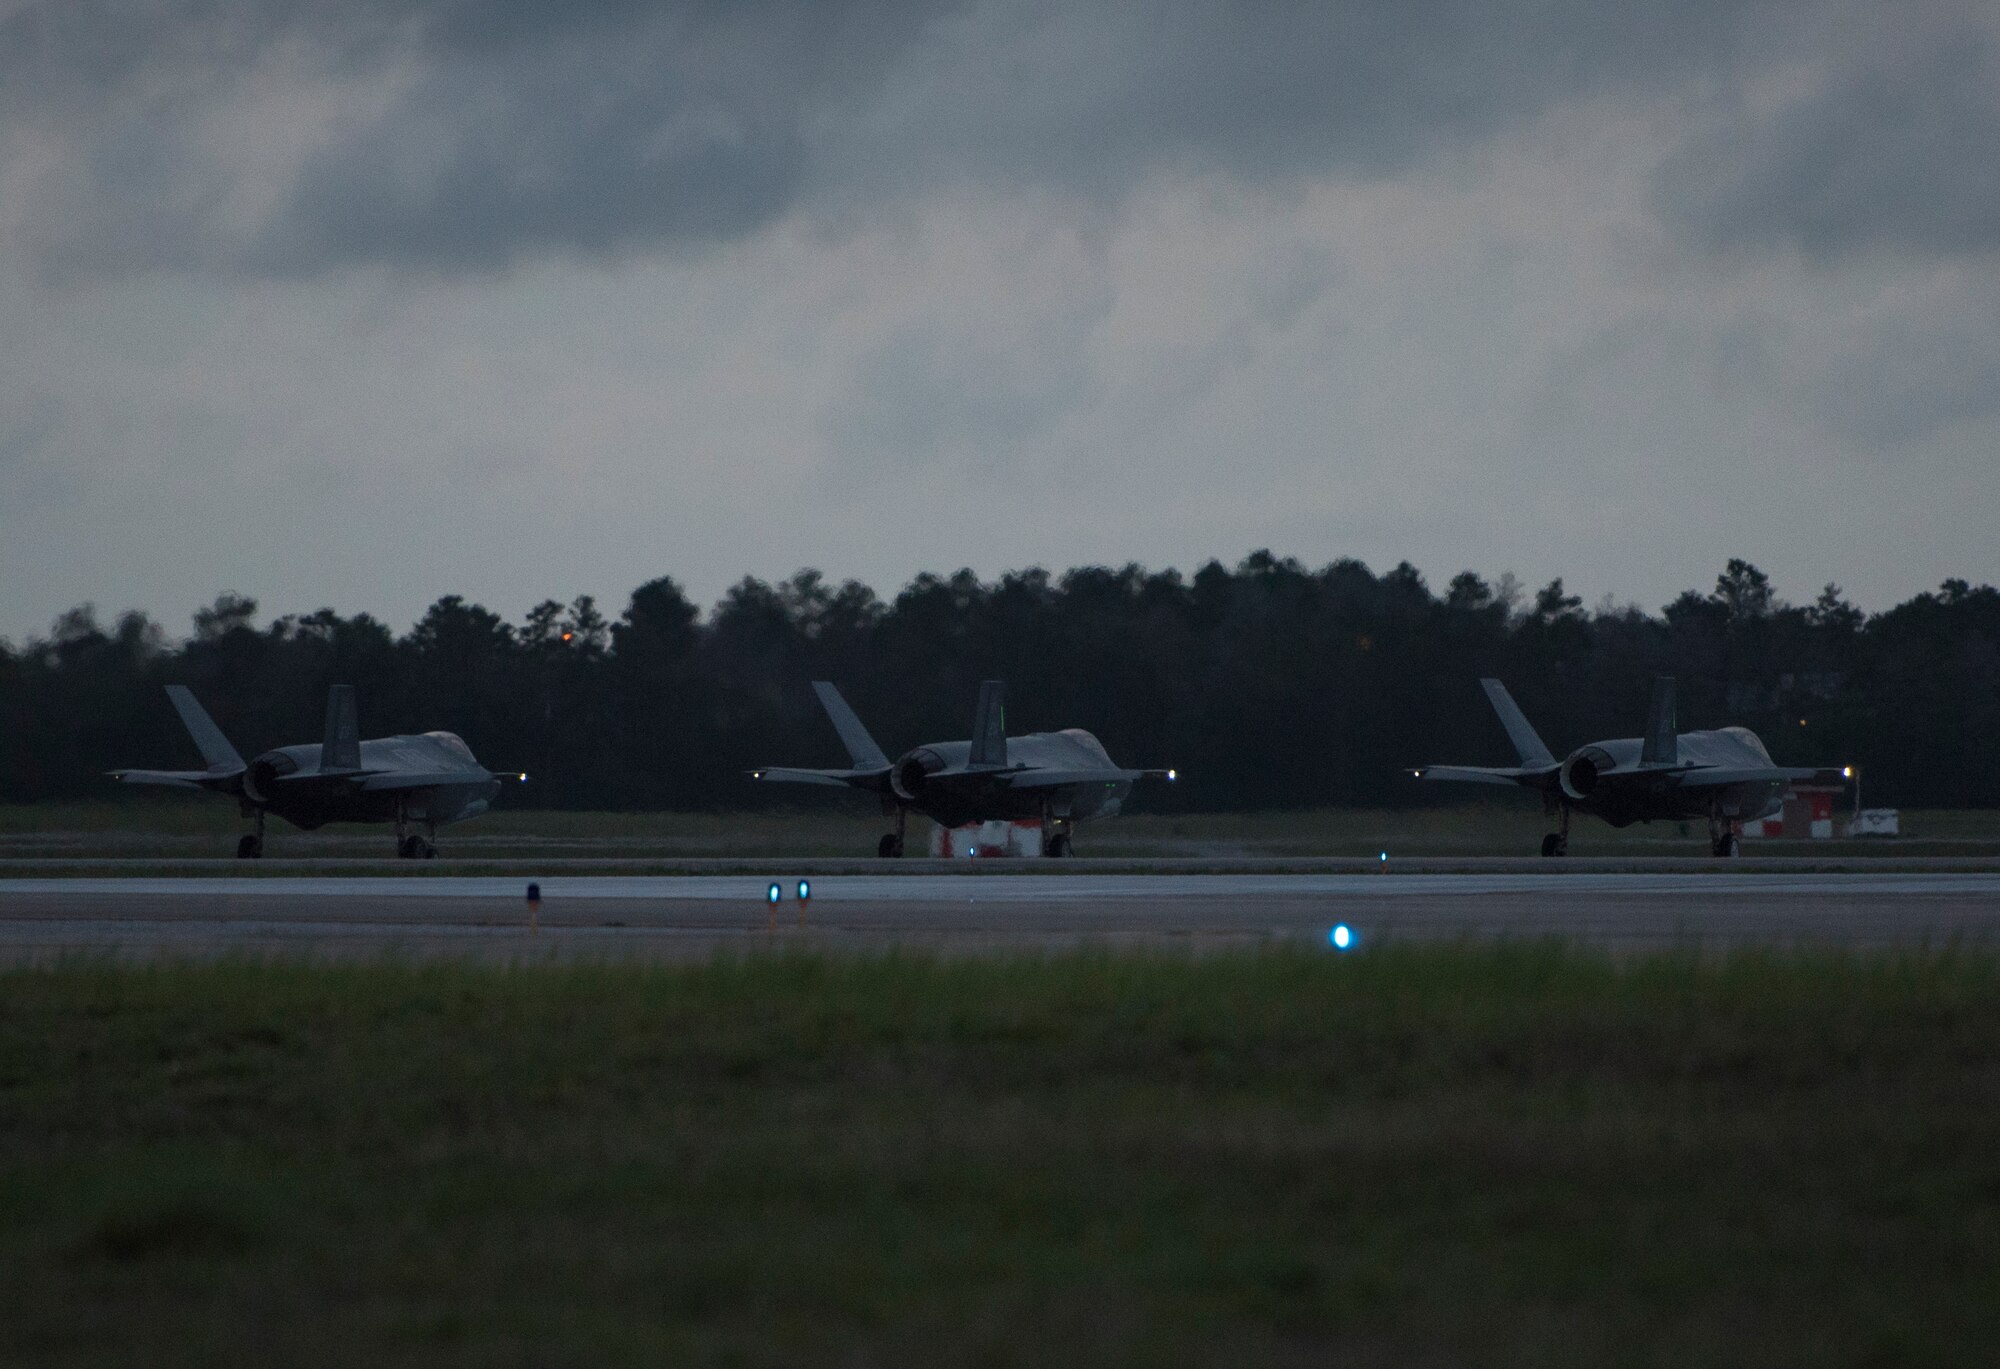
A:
(1270, 685)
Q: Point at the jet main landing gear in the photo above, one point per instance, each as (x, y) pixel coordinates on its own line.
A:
(251, 846)
(891, 845)
(1556, 843)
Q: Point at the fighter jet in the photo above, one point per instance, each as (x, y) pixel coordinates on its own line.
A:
(1059, 777)
(425, 780)
(1725, 776)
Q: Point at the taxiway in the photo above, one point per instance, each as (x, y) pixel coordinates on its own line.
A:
(695, 916)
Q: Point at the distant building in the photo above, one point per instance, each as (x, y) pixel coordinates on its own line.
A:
(1808, 810)
(1022, 837)
(1875, 822)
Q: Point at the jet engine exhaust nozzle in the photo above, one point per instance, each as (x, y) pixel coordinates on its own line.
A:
(913, 772)
(260, 781)
(1580, 773)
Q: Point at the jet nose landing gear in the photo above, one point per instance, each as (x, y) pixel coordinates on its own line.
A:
(410, 845)
(1724, 837)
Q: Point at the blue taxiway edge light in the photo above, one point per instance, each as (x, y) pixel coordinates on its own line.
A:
(775, 893)
(1342, 937)
(805, 890)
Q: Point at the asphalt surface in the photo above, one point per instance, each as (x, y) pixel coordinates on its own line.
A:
(680, 917)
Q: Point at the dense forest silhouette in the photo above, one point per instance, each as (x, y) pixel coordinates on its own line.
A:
(1270, 685)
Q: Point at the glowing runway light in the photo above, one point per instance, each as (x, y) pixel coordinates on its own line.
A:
(775, 892)
(1341, 938)
(805, 890)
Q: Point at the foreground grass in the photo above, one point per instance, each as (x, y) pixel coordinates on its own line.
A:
(1511, 1155)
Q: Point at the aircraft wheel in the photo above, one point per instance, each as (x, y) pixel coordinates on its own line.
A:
(425, 849)
(406, 849)
(1554, 845)
(1730, 846)
(1059, 845)
(249, 848)
(890, 847)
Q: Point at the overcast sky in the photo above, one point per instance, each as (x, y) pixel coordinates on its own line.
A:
(363, 302)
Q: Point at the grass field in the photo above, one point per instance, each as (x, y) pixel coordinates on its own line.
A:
(191, 825)
(1417, 1155)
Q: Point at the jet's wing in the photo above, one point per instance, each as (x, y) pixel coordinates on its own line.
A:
(377, 781)
(1716, 776)
(873, 780)
(179, 779)
(1527, 776)
(1056, 779)
(434, 779)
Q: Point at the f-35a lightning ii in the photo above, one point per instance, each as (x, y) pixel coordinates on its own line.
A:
(1725, 776)
(1059, 777)
(425, 780)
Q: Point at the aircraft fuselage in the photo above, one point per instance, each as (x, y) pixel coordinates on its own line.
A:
(989, 795)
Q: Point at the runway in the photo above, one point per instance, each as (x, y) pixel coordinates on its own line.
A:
(682, 917)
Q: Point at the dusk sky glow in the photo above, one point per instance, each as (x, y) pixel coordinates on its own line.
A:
(365, 302)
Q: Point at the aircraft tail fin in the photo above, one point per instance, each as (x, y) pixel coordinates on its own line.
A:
(1532, 750)
(214, 747)
(989, 726)
(341, 749)
(860, 746)
(1661, 745)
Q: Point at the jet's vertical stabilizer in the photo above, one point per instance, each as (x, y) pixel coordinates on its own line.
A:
(1532, 750)
(989, 726)
(341, 750)
(1661, 745)
(860, 746)
(215, 748)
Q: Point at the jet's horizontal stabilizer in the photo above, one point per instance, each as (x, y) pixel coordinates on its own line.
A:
(1531, 777)
(1527, 743)
(208, 738)
(861, 747)
(1661, 746)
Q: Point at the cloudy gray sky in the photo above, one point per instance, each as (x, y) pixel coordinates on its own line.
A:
(362, 302)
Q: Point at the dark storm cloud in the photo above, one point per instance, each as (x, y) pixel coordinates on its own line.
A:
(510, 128)
(1895, 151)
